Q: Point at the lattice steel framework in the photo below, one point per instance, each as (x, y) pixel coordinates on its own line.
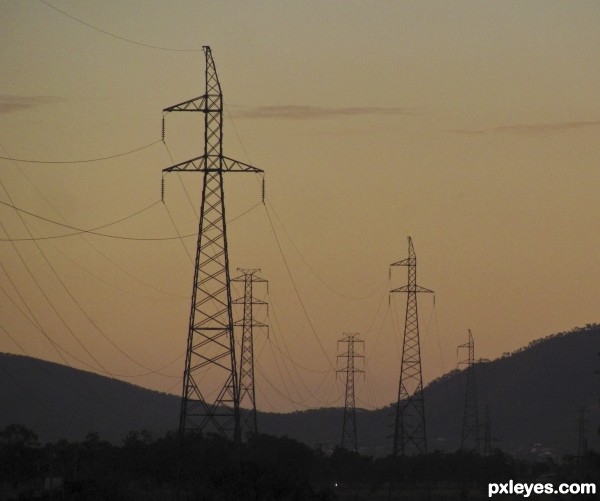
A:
(210, 396)
(248, 424)
(410, 434)
(349, 433)
(470, 439)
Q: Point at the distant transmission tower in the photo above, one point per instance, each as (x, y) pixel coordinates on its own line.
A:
(249, 277)
(470, 427)
(409, 430)
(349, 435)
(210, 396)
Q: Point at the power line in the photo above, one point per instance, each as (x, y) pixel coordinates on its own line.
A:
(185, 249)
(33, 320)
(113, 285)
(313, 330)
(90, 244)
(75, 301)
(53, 307)
(128, 40)
(82, 161)
(16, 382)
(189, 199)
(92, 231)
(276, 329)
(78, 231)
(312, 270)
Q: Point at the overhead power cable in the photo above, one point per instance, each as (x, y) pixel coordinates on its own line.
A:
(289, 272)
(82, 161)
(78, 231)
(75, 301)
(312, 270)
(90, 244)
(92, 231)
(128, 40)
(16, 382)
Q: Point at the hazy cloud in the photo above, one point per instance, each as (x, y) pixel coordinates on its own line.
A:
(9, 103)
(529, 128)
(293, 112)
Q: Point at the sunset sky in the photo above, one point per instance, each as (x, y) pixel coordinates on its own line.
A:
(470, 126)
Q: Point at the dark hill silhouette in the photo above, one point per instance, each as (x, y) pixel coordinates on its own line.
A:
(57, 402)
(533, 394)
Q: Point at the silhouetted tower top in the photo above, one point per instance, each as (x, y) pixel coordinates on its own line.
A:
(210, 394)
(409, 427)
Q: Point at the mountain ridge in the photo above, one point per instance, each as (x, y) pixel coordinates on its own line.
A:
(533, 395)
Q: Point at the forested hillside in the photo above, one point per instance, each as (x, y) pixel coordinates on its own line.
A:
(533, 396)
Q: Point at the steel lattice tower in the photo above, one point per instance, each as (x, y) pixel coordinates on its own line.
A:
(248, 323)
(409, 430)
(349, 435)
(210, 396)
(470, 428)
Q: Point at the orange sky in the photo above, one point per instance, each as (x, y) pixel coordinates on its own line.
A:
(471, 127)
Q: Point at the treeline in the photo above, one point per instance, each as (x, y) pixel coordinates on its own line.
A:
(262, 468)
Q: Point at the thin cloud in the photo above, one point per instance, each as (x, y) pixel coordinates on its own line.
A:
(533, 128)
(10, 103)
(294, 112)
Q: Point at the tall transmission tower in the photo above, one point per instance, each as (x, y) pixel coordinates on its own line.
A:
(349, 435)
(409, 431)
(470, 428)
(247, 389)
(210, 395)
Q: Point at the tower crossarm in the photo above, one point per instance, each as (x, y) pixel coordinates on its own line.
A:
(411, 261)
(196, 104)
(212, 100)
(242, 300)
(240, 323)
(214, 164)
(409, 288)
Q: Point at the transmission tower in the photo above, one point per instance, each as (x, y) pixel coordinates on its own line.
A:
(349, 438)
(247, 393)
(409, 430)
(210, 396)
(470, 428)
